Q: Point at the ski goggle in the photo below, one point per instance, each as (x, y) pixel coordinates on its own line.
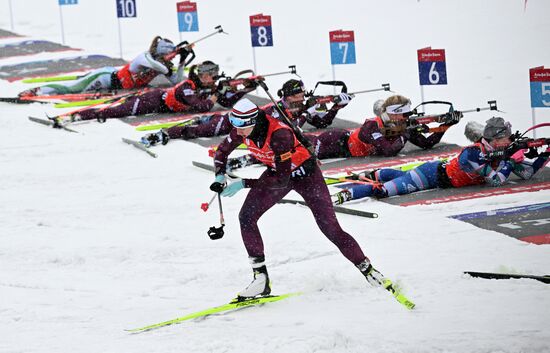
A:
(211, 69)
(399, 108)
(240, 123)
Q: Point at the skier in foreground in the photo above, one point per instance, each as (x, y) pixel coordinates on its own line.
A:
(136, 74)
(289, 167)
(473, 166)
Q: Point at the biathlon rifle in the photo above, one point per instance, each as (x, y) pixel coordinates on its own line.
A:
(418, 121)
(184, 49)
(250, 81)
(521, 142)
(317, 99)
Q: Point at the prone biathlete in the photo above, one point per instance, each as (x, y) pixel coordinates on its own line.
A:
(197, 94)
(383, 135)
(292, 101)
(136, 74)
(472, 166)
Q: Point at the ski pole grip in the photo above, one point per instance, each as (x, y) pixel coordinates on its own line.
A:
(262, 84)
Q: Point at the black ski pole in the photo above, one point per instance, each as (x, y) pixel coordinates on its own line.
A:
(303, 140)
(217, 232)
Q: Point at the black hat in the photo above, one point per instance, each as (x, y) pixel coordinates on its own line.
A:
(496, 127)
(291, 87)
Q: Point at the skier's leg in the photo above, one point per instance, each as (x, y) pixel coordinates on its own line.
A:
(145, 103)
(330, 144)
(422, 177)
(96, 80)
(316, 195)
(257, 202)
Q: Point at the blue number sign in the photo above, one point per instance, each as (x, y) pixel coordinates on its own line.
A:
(539, 78)
(432, 69)
(188, 20)
(260, 30)
(342, 47)
(126, 8)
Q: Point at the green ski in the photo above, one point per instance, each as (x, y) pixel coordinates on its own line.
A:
(84, 103)
(51, 79)
(165, 125)
(388, 285)
(233, 305)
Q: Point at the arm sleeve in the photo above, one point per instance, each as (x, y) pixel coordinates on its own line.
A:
(527, 169)
(322, 119)
(224, 150)
(472, 160)
(178, 76)
(228, 99)
(424, 142)
(282, 143)
(370, 133)
(187, 95)
(146, 60)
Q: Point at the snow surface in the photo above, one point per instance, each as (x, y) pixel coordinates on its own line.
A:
(97, 237)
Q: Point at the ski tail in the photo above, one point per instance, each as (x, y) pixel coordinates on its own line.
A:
(492, 275)
(140, 146)
(233, 305)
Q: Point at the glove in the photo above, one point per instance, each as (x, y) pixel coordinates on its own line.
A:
(453, 118)
(223, 87)
(518, 157)
(422, 129)
(343, 99)
(252, 84)
(183, 53)
(169, 65)
(314, 110)
(218, 184)
(233, 188)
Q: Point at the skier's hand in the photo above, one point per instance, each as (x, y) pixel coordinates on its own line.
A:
(343, 99)
(169, 65)
(219, 183)
(314, 110)
(453, 118)
(183, 53)
(233, 188)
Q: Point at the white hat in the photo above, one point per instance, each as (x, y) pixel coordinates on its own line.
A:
(244, 113)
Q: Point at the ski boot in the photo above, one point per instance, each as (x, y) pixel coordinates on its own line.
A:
(341, 197)
(375, 278)
(368, 175)
(33, 92)
(260, 285)
(61, 121)
(153, 139)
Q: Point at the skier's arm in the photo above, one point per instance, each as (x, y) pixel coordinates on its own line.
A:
(424, 142)
(282, 143)
(224, 150)
(321, 118)
(370, 133)
(472, 160)
(146, 60)
(526, 169)
(229, 98)
(178, 76)
(187, 95)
